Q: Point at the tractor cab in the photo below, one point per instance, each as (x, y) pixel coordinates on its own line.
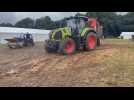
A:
(76, 24)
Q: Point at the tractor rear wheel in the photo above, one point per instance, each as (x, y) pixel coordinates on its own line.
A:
(91, 41)
(68, 46)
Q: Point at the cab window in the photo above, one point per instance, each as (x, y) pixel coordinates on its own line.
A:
(81, 25)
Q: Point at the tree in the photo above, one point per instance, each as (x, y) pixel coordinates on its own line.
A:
(25, 23)
(109, 21)
(6, 25)
(128, 22)
(113, 24)
(44, 23)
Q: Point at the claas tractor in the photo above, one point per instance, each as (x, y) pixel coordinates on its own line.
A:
(23, 41)
(80, 33)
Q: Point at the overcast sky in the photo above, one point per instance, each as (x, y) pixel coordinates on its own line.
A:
(13, 17)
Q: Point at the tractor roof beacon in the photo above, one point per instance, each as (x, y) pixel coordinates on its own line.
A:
(80, 32)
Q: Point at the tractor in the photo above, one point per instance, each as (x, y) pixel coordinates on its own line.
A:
(80, 33)
(23, 41)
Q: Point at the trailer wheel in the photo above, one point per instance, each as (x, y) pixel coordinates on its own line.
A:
(33, 44)
(47, 49)
(91, 41)
(98, 42)
(68, 46)
(30, 44)
(10, 47)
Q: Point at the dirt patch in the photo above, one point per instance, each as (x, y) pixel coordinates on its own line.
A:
(35, 67)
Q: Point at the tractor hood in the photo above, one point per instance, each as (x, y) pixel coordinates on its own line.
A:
(60, 33)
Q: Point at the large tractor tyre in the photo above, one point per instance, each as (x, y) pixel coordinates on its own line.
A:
(98, 41)
(31, 42)
(68, 46)
(11, 47)
(24, 44)
(48, 50)
(91, 41)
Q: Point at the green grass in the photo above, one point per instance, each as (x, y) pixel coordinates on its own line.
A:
(2, 45)
(119, 68)
(119, 41)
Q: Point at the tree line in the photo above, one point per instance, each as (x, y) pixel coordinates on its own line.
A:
(113, 23)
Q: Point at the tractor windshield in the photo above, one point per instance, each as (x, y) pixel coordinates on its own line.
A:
(76, 25)
(81, 25)
(71, 24)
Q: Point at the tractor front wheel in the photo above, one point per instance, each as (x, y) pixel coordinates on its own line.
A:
(91, 41)
(68, 46)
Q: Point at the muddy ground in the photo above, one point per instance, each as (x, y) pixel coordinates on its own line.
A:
(33, 67)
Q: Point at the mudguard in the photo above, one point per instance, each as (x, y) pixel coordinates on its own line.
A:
(86, 30)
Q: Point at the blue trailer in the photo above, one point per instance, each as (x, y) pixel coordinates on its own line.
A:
(23, 41)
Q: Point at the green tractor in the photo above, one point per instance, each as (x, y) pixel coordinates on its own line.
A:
(80, 32)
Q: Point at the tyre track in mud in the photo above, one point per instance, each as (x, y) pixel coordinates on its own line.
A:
(34, 67)
(64, 77)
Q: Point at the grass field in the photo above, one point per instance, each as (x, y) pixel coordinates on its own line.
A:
(2, 45)
(120, 65)
(111, 64)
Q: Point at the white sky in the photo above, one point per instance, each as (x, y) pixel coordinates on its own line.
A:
(53, 15)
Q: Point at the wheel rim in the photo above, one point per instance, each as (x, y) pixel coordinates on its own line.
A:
(69, 47)
(91, 42)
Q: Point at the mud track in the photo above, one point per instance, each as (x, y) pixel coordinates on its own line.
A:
(35, 67)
